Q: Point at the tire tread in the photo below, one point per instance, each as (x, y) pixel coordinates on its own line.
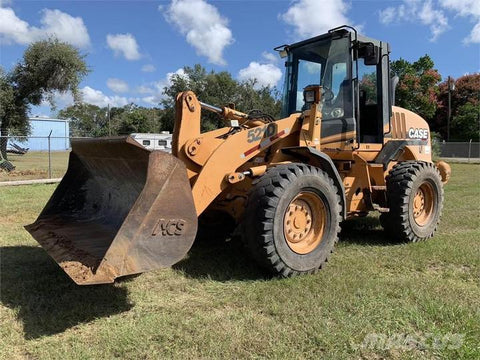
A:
(262, 201)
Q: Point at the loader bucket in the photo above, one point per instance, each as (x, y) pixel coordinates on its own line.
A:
(119, 210)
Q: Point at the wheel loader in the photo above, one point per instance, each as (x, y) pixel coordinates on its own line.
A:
(341, 150)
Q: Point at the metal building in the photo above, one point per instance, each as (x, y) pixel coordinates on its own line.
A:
(40, 130)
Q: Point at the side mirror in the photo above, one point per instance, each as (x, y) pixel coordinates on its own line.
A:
(372, 54)
(282, 50)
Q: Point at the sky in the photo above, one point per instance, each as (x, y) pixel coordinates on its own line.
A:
(134, 47)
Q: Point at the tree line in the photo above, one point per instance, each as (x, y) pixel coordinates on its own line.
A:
(422, 90)
(213, 88)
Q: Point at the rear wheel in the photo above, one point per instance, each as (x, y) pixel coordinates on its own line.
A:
(292, 219)
(415, 199)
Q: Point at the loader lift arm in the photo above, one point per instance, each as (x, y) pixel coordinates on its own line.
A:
(209, 157)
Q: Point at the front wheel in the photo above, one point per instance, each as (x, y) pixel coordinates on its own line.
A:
(292, 219)
(415, 199)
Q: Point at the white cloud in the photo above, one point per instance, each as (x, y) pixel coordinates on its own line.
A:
(148, 68)
(160, 85)
(13, 29)
(92, 96)
(469, 9)
(203, 26)
(154, 90)
(434, 14)
(96, 97)
(421, 11)
(263, 74)
(387, 15)
(151, 100)
(53, 23)
(61, 100)
(474, 36)
(124, 45)
(117, 85)
(269, 57)
(64, 27)
(435, 18)
(143, 89)
(462, 7)
(314, 17)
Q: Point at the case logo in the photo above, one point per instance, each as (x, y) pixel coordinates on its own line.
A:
(421, 134)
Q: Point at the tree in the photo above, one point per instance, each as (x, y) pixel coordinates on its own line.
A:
(368, 83)
(47, 67)
(466, 122)
(465, 103)
(137, 119)
(91, 120)
(86, 119)
(417, 87)
(217, 89)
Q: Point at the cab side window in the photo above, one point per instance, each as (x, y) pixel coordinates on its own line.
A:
(367, 83)
(369, 103)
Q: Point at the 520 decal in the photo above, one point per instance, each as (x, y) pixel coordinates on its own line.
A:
(256, 134)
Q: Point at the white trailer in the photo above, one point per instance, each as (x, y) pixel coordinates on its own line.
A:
(162, 141)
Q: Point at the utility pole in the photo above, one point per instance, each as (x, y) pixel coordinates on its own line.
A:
(451, 87)
(108, 119)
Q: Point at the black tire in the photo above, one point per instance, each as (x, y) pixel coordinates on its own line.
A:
(406, 183)
(264, 224)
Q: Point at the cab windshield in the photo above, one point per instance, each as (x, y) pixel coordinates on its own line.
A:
(326, 63)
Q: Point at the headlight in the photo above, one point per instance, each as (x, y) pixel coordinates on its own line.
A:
(309, 96)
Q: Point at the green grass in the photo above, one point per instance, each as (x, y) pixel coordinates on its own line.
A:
(34, 165)
(217, 304)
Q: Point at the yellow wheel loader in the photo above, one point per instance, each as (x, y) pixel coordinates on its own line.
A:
(340, 151)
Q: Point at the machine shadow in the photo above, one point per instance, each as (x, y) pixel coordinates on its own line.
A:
(221, 259)
(365, 231)
(47, 301)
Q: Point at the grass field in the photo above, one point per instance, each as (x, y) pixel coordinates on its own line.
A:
(375, 299)
(34, 165)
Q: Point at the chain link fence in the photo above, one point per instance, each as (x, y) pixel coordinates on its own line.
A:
(460, 150)
(46, 157)
(36, 157)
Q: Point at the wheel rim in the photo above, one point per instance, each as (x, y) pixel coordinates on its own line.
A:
(304, 222)
(423, 204)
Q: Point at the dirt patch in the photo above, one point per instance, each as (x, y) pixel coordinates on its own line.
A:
(78, 264)
(77, 270)
(17, 173)
(440, 268)
(23, 174)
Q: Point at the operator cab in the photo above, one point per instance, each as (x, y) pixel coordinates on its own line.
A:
(353, 72)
